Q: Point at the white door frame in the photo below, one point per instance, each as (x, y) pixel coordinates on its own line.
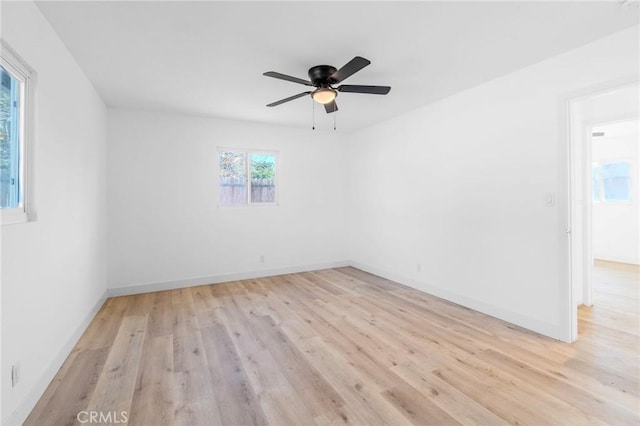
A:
(578, 215)
(587, 214)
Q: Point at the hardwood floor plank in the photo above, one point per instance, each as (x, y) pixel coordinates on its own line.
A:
(237, 402)
(278, 400)
(417, 407)
(315, 278)
(281, 404)
(502, 401)
(209, 318)
(577, 397)
(203, 298)
(182, 296)
(317, 395)
(264, 301)
(193, 392)
(242, 334)
(328, 326)
(139, 304)
(115, 387)
(364, 402)
(455, 403)
(153, 395)
(161, 314)
(478, 380)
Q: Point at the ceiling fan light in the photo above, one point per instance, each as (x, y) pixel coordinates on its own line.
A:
(324, 95)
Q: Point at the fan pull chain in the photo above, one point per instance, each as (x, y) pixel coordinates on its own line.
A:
(313, 115)
(334, 116)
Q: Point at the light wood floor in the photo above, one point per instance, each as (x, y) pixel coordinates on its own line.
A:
(341, 346)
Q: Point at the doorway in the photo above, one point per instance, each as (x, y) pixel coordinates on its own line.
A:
(604, 186)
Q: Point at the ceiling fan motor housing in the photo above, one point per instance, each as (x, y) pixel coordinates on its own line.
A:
(319, 75)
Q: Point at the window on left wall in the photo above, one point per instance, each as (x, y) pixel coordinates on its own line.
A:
(16, 87)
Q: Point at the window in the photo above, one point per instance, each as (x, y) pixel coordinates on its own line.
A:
(247, 177)
(612, 181)
(15, 106)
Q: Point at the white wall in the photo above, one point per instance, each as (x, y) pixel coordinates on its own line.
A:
(616, 225)
(165, 228)
(53, 269)
(458, 187)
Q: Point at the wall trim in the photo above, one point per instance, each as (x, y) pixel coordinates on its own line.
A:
(37, 390)
(545, 328)
(215, 279)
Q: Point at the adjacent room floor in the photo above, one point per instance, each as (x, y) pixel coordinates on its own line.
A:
(343, 346)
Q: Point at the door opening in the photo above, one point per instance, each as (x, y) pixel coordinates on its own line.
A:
(603, 165)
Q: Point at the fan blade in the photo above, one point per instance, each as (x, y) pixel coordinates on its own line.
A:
(352, 67)
(374, 90)
(290, 98)
(287, 77)
(331, 107)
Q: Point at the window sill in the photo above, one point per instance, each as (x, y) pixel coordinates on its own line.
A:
(13, 216)
(614, 203)
(247, 206)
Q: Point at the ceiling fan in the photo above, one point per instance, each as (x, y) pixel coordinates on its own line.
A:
(323, 78)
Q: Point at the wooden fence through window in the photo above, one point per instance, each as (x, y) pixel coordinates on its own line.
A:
(233, 191)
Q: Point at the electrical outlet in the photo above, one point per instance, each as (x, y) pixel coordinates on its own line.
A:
(15, 375)
(549, 199)
(418, 267)
(262, 258)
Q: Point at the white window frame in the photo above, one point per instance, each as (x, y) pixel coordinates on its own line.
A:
(22, 72)
(248, 153)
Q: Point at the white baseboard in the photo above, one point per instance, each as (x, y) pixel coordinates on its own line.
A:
(544, 328)
(20, 414)
(215, 279)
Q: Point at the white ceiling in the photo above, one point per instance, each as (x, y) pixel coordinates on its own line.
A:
(207, 58)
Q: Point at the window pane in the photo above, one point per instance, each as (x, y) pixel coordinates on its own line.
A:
(616, 181)
(233, 178)
(595, 183)
(10, 195)
(263, 173)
